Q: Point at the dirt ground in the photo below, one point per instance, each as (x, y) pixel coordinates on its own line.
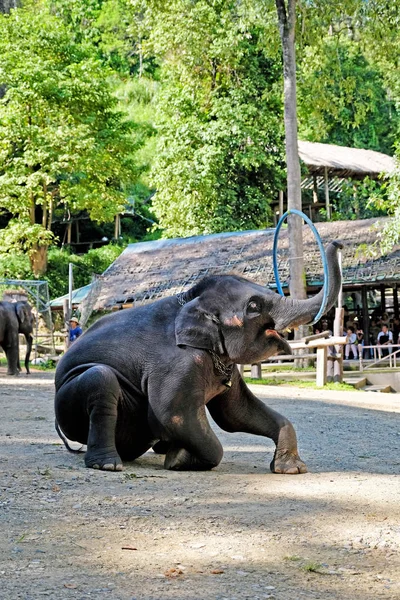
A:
(237, 532)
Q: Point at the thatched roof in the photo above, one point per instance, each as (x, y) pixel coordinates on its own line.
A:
(151, 270)
(341, 161)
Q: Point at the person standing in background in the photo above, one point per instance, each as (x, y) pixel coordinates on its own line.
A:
(74, 330)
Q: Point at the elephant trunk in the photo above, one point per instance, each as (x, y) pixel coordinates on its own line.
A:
(299, 312)
(29, 341)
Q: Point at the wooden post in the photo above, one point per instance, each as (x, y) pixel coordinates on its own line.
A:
(256, 371)
(117, 227)
(67, 315)
(69, 233)
(322, 365)
(280, 203)
(327, 204)
(364, 299)
(383, 298)
(315, 190)
(395, 302)
(338, 327)
(338, 331)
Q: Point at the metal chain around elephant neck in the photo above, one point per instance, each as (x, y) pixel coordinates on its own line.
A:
(219, 366)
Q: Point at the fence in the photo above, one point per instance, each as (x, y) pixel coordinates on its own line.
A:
(329, 363)
(378, 359)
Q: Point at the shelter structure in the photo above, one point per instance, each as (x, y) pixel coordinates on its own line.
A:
(329, 166)
(147, 271)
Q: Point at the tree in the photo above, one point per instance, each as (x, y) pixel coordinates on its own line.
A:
(343, 98)
(287, 28)
(219, 161)
(63, 144)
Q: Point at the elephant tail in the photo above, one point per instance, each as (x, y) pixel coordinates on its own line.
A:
(66, 441)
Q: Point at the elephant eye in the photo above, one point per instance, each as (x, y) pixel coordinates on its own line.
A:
(254, 308)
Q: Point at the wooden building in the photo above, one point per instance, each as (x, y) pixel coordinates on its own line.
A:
(328, 168)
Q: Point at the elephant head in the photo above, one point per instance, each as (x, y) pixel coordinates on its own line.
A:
(25, 326)
(242, 320)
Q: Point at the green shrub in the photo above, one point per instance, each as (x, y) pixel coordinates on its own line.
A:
(17, 266)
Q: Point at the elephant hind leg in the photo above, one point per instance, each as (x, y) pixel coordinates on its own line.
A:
(99, 388)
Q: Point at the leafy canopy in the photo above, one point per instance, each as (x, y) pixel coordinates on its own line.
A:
(343, 98)
(219, 158)
(63, 144)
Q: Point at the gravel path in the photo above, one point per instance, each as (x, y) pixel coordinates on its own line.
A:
(237, 532)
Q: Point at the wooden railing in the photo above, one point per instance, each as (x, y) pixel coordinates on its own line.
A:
(329, 364)
(378, 358)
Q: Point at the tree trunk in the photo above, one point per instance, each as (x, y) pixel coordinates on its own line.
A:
(297, 284)
(38, 258)
(287, 22)
(7, 5)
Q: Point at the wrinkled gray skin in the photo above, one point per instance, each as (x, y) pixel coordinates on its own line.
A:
(143, 377)
(15, 318)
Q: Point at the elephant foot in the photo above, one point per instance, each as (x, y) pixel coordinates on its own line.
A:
(287, 463)
(105, 461)
(13, 373)
(179, 459)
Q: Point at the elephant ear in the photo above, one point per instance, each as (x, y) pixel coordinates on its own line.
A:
(20, 309)
(197, 328)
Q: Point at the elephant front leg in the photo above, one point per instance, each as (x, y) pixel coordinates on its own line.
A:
(12, 355)
(239, 410)
(187, 438)
(286, 458)
(195, 447)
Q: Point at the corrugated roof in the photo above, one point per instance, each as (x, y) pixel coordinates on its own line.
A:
(344, 162)
(152, 270)
(78, 296)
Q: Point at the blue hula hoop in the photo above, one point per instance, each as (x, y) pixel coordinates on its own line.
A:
(283, 218)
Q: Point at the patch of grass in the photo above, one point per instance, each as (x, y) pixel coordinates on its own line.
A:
(341, 387)
(292, 557)
(312, 567)
(49, 365)
(264, 381)
(337, 387)
(129, 476)
(287, 369)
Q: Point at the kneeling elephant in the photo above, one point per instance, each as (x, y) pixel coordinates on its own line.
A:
(143, 377)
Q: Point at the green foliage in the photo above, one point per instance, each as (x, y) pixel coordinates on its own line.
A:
(391, 232)
(342, 98)
(63, 143)
(96, 261)
(219, 158)
(361, 200)
(15, 266)
(115, 28)
(85, 82)
(20, 235)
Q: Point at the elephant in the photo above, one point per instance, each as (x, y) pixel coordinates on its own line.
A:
(15, 318)
(143, 377)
